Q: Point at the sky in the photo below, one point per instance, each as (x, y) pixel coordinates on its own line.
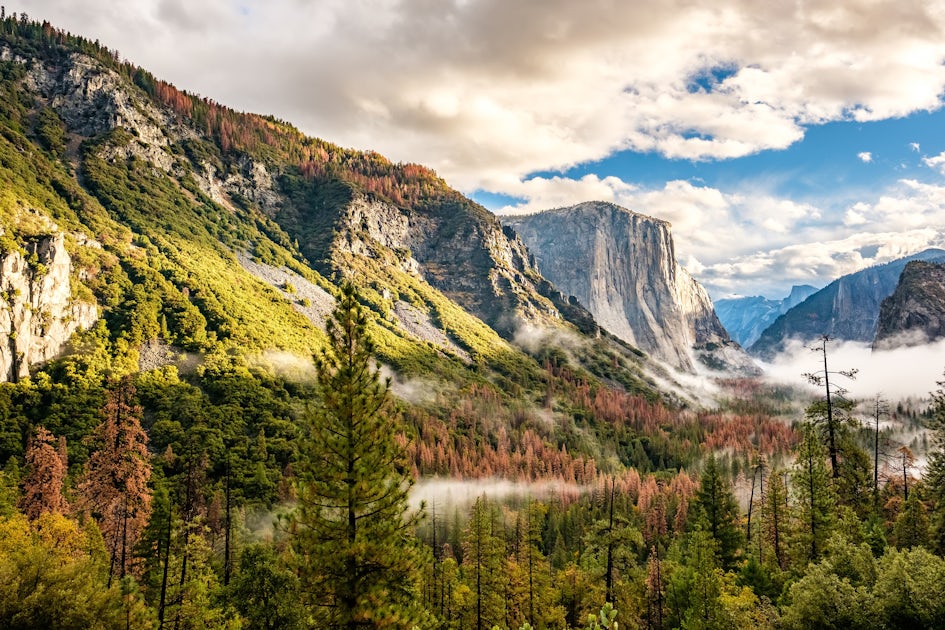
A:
(786, 142)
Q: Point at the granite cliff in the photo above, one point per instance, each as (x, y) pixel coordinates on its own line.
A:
(622, 266)
(915, 313)
(39, 312)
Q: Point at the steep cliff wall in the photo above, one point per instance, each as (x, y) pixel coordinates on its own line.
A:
(622, 266)
(847, 308)
(38, 314)
(915, 312)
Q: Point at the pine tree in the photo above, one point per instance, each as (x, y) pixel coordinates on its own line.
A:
(352, 532)
(114, 487)
(935, 470)
(42, 488)
(814, 494)
(716, 509)
(483, 553)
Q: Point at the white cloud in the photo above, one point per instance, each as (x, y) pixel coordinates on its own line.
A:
(865, 157)
(936, 162)
(486, 91)
(751, 242)
(915, 146)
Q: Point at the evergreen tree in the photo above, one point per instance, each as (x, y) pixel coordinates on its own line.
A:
(716, 510)
(351, 532)
(815, 498)
(935, 470)
(483, 554)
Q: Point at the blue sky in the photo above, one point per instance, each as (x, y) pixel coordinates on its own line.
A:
(825, 166)
(787, 142)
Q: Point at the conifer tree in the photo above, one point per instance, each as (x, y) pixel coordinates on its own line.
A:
(814, 494)
(42, 488)
(716, 509)
(483, 553)
(935, 470)
(114, 487)
(352, 533)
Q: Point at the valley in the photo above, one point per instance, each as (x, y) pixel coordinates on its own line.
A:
(253, 379)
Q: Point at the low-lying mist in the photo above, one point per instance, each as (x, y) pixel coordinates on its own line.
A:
(899, 374)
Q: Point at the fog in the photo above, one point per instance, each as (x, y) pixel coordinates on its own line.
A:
(455, 493)
(897, 374)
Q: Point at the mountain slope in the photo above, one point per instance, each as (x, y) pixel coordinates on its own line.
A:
(745, 318)
(915, 313)
(622, 266)
(847, 308)
(204, 249)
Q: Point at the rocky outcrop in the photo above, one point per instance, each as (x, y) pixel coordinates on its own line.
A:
(745, 318)
(915, 313)
(622, 266)
(846, 309)
(450, 243)
(38, 313)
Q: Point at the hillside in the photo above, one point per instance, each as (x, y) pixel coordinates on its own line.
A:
(915, 313)
(203, 249)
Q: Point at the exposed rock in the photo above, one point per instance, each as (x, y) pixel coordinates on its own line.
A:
(622, 266)
(846, 309)
(456, 246)
(419, 324)
(745, 318)
(309, 299)
(915, 313)
(38, 314)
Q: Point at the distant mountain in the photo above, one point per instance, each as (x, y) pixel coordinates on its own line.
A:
(847, 308)
(622, 266)
(915, 313)
(745, 318)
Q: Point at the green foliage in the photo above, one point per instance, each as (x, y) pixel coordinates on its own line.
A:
(351, 529)
(716, 511)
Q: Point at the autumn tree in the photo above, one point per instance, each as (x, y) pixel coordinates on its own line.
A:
(114, 487)
(46, 471)
(352, 532)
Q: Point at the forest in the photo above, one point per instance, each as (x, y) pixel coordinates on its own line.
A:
(172, 519)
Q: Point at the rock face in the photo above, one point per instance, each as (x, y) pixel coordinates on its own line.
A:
(622, 266)
(915, 313)
(39, 313)
(456, 246)
(846, 309)
(745, 318)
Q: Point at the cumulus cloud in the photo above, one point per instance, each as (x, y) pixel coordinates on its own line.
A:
(936, 162)
(487, 91)
(865, 156)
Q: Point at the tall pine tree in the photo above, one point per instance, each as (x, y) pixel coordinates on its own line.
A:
(352, 531)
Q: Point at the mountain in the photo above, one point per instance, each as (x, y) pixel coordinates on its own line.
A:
(745, 318)
(152, 234)
(622, 266)
(915, 313)
(846, 309)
